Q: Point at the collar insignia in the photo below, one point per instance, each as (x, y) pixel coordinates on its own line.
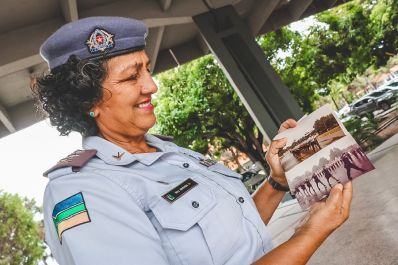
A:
(118, 156)
(99, 41)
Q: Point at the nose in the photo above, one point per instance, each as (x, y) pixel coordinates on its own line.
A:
(149, 85)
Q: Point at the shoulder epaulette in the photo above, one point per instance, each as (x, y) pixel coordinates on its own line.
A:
(164, 137)
(76, 160)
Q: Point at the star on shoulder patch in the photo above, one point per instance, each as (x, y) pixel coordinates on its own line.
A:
(70, 213)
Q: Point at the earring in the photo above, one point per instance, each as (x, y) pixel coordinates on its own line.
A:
(92, 114)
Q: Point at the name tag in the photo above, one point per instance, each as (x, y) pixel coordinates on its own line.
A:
(177, 192)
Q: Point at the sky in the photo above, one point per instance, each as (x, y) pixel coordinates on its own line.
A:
(26, 154)
(303, 25)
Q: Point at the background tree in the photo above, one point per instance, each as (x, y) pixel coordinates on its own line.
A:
(336, 48)
(392, 61)
(336, 93)
(20, 239)
(344, 46)
(339, 47)
(283, 49)
(383, 26)
(197, 105)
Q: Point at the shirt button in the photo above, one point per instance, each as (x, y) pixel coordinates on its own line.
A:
(195, 204)
(186, 165)
(241, 200)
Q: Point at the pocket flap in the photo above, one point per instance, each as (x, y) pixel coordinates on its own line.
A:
(186, 211)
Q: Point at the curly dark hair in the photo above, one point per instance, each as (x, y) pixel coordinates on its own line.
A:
(68, 93)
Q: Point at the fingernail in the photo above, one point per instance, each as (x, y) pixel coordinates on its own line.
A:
(339, 186)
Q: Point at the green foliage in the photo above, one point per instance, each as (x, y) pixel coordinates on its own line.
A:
(384, 21)
(342, 44)
(278, 42)
(197, 105)
(281, 49)
(363, 131)
(20, 241)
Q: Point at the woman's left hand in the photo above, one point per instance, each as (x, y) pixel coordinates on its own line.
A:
(272, 157)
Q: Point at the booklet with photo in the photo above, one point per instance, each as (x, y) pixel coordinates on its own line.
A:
(320, 153)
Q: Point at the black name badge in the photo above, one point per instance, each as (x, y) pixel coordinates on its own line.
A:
(177, 192)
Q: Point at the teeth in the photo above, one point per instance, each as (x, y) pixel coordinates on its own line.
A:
(143, 105)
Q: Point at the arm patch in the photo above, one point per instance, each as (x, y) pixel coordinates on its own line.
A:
(76, 160)
(70, 213)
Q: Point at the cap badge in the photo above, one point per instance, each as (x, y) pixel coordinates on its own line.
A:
(99, 41)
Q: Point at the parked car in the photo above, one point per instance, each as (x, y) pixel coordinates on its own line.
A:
(392, 84)
(393, 77)
(391, 89)
(375, 100)
(343, 111)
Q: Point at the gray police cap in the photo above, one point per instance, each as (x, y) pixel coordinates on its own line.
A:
(94, 37)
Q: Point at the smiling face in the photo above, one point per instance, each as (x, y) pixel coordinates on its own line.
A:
(125, 110)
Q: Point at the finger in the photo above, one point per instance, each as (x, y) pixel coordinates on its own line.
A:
(290, 123)
(276, 145)
(335, 198)
(347, 197)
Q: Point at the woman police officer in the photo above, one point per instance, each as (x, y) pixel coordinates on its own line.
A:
(132, 198)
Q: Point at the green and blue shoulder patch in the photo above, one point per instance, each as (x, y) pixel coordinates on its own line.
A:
(70, 213)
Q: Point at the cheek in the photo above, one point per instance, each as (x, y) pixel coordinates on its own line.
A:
(118, 99)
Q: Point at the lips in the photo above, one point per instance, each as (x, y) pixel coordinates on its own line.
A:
(143, 102)
(146, 104)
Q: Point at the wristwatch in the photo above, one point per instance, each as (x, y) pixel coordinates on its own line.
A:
(276, 185)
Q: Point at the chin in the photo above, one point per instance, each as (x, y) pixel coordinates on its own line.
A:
(149, 123)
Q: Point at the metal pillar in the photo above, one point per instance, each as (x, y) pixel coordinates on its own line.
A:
(267, 99)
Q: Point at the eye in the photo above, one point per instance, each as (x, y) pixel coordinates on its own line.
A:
(132, 78)
(149, 70)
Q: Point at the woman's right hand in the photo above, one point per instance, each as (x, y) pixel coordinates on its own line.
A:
(324, 217)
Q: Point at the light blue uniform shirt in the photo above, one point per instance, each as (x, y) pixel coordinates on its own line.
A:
(215, 222)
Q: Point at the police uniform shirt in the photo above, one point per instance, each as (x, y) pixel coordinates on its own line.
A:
(123, 208)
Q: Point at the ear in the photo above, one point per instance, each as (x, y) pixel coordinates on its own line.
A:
(96, 110)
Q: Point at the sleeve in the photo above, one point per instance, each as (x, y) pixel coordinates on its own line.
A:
(92, 220)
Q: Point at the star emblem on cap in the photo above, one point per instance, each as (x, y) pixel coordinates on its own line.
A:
(100, 41)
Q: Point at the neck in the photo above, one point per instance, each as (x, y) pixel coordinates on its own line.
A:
(132, 144)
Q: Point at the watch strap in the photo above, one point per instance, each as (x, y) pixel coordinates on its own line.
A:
(277, 186)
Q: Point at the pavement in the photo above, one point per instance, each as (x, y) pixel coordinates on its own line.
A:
(370, 235)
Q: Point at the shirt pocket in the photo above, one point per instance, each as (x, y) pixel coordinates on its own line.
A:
(197, 224)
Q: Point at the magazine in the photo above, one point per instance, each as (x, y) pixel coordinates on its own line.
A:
(320, 153)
